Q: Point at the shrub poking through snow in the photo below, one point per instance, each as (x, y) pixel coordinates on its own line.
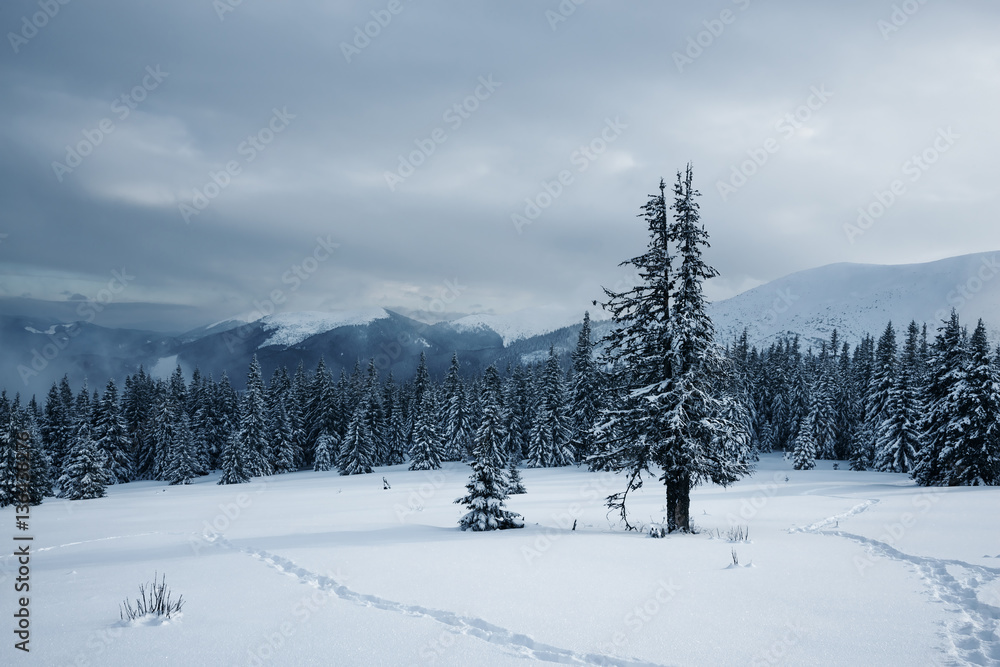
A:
(738, 534)
(154, 601)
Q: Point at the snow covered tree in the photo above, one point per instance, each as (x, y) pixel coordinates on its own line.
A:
(234, 462)
(357, 449)
(326, 450)
(252, 431)
(804, 454)
(971, 452)
(487, 491)
(111, 436)
(425, 452)
(457, 428)
(83, 475)
(946, 376)
(666, 366)
(22, 436)
(585, 393)
(898, 438)
(284, 445)
(549, 443)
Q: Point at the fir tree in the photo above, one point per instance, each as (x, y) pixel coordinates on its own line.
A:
(666, 366)
(898, 439)
(457, 435)
(357, 449)
(234, 462)
(804, 454)
(971, 452)
(425, 452)
(585, 393)
(487, 491)
(83, 475)
(252, 432)
(112, 438)
(946, 371)
(326, 447)
(549, 444)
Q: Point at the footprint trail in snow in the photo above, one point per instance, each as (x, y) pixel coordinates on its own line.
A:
(522, 645)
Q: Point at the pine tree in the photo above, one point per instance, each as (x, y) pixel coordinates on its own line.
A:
(549, 444)
(457, 435)
(946, 373)
(326, 447)
(112, 438)
(252, 432)
(357, 450)
(971, 452)
(284, 447)
(585, 393)
(83, 475)
(487, 491)
(804, 454)
(234, 462)
(666, 365)
(425, 452)
(898, 439)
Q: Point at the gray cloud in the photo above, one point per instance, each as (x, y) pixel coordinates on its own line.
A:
(345, 124)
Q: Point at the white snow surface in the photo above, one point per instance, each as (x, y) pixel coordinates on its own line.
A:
(51, 330)
(288, 329)
(524, 323)
(861, 298)
(842, 568)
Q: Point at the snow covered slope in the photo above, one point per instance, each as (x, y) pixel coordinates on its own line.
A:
(521, 324)
(287, 329)
(860, 298)
(311, 568)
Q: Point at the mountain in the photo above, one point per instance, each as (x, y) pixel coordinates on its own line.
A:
(853, 298)
(861, 298)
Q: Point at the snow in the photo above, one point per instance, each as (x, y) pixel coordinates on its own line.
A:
(861, 298)
(288, 329)
(524, 323)
(48, 332)
(313, 568)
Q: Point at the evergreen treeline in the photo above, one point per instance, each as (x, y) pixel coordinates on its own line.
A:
(899, 404)
(174, 430)
(907, 404)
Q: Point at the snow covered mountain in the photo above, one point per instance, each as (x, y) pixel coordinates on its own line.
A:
(853, 298)
(861, 298)
(522, 324)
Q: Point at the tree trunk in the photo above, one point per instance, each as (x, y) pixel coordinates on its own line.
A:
(679, 502)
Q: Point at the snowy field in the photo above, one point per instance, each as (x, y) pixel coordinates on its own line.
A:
(841, 568)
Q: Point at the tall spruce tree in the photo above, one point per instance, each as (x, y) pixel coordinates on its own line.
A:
(898, 438)
(666, 364)
(425, 452)
(111, 436)
(585, 393)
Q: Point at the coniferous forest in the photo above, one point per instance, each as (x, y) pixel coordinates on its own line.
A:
(658, 396)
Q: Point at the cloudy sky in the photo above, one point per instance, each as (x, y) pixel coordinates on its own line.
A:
(221, 156)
